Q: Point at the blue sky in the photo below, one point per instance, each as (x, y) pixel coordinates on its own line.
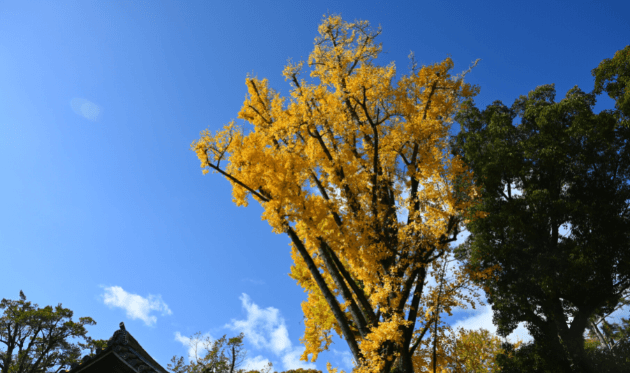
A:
(105, 207)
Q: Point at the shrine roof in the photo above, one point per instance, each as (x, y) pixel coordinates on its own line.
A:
(123, 354)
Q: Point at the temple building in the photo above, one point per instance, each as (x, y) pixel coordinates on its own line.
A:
(123, 354)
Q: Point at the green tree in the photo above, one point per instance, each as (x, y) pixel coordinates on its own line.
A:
(613, 76)
(36, 339)
(572, 166)
(532, 357)
(538, 357)
(216, 359)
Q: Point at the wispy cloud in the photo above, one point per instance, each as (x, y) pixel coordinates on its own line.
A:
(253, 281)
(291, 360)
(482, 319)
(346, 358)
(258, 363)
(85, 108)
(265, 329)
(136, 306)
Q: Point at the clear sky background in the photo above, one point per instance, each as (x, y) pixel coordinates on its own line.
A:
(104, 206)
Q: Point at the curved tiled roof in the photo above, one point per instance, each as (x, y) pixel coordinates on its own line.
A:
(123, 351)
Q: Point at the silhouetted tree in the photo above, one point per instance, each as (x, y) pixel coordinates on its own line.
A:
(36, 339)
(573, 167)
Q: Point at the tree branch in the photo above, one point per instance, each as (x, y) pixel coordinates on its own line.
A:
(361, 297)
(328, 295)
(413, 309)
(413, 161)
(252, 191)
(360, 322)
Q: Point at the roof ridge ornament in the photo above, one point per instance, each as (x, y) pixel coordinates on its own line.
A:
(119, 337)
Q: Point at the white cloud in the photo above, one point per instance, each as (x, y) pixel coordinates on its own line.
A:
(482, 319)
(265, 329)
(197, 346)
(137, 307)
(85, 108)
(292, 360)
(280, 339)
(258, 363)
(346, 358)
(253, 281)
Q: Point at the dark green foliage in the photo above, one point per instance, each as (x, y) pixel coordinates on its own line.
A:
(36, 339)
(532, 357)
(573, 167)
(539, 358)
(605, 362)
(616, 358)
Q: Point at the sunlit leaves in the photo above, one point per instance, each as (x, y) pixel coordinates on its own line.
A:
(613, 76)
(334, 165)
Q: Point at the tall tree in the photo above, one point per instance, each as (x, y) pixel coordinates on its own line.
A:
(436, 313)
(334, 169)
(36, 339)
(220, 356)
(572, 167)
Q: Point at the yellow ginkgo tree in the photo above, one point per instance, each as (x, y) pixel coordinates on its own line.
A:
(354, 168)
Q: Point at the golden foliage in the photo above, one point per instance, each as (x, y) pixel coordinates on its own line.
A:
(355, 169)
(470, 351)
